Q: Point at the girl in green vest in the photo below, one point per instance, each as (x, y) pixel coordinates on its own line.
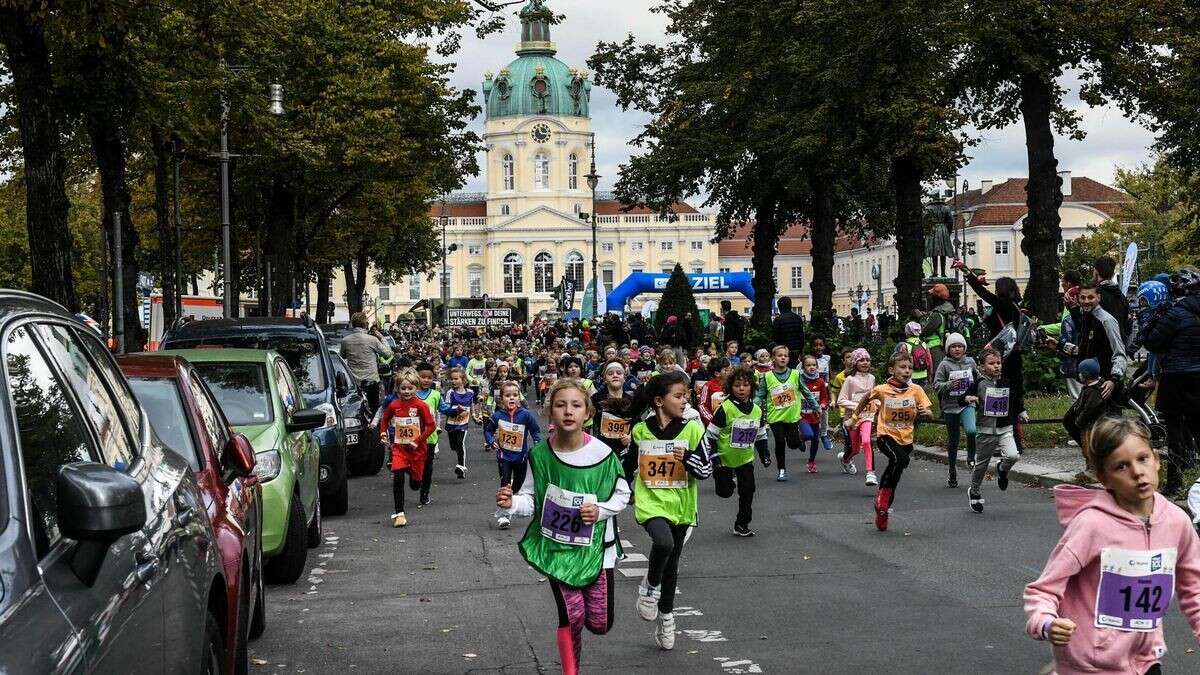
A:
(576, 490)
(779, 393)
(668, 457)
(433, 398)
(572, 367)
(738, 429)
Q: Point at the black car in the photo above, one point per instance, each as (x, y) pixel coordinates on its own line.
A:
(108, 560)
(364, 452)
(303, 345)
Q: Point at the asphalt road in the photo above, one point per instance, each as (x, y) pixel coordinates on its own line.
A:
(819, 590)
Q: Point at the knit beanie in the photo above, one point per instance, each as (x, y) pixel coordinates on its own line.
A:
(1089, 369)
(955, 339)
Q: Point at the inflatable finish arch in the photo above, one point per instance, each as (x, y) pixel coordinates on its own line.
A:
(646, 282)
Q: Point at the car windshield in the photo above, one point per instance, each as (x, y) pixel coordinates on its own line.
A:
(303, 354)
(164, 406)
(241, 389)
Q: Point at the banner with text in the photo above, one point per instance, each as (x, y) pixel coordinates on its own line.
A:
(494, 317)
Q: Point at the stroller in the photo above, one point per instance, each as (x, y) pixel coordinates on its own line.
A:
(1135, 397)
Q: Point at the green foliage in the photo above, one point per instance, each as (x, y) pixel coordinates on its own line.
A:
(679, 301)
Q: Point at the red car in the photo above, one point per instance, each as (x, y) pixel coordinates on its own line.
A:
(188, 420)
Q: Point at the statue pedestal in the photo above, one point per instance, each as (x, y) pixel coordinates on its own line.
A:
(954, 285)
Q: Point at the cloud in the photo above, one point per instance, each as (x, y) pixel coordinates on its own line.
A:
(1112, 140)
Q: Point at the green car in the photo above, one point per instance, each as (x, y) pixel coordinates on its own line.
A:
(260, 397)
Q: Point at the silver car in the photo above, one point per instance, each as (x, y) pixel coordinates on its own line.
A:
(107, 558)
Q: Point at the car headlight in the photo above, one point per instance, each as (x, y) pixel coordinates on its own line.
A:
(353, 424)
(330, 415)
(267, 465)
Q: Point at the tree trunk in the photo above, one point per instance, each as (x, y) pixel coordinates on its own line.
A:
(108, 146)
(910, 233)
(323, 275)
(168, 248)
(1041, 231)
(766, 238)
(822, 234)
(280, 244)
(40, 123)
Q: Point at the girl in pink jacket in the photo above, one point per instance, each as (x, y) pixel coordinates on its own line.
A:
(857, 385)
(1126, 551)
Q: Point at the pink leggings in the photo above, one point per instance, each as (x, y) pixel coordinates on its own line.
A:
(590, 606)
(860, 440)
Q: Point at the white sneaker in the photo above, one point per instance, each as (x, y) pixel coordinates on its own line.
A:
(850, 468)
(502, 522)
(871, 479)
(664, 631)
(460, 471)
(647, 600)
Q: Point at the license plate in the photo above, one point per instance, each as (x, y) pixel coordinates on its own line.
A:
(351, 439)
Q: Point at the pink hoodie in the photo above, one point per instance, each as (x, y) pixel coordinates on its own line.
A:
(1068, 585)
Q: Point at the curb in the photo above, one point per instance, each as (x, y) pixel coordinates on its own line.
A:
(1024, 471)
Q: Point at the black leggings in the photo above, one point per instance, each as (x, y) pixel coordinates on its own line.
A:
(897, 456)
(512, 473)
(458, 443)
(398, 487)
(665, 548)
(427, 476)
(787, 435)
(724, 478)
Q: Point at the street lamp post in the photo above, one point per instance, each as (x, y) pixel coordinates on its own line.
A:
(275, 94)
(593, 179)
(444, 281)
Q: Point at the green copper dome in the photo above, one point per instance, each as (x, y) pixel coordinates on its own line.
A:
(536, 83)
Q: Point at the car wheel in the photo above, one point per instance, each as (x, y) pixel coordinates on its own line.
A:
(241, 658)
(337, 503)
(287, 567)
(214, 646)
(314, 528)
(258, 623)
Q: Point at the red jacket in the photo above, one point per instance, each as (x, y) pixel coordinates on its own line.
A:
(413, 407)
(820, 391)
(713, 386)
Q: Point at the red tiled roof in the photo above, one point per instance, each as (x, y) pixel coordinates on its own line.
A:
(459, 210)
(1004, 204)
(793, 242)
(614, 208)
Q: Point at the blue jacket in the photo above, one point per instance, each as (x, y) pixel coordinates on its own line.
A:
(451, 401)
(1175, 336)
(533, 432)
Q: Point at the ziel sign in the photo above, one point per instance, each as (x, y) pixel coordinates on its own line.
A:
(644, 282)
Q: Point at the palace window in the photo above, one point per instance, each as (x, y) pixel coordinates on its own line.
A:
(509, 179)
(666, 245)
(606, 277)
(474, 249)
(797, 278)
(575, 268)
(414, 287)
(697, 246)
(606, 247)
(541, 172)
(505, 210)
(475, 282)
(543, 273)
(1003, 262)
(514, 270)
(573, 164)
(385, 293)
(637, 246)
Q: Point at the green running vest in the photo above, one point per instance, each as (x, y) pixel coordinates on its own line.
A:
(788, 413)
(676, 504)
(735, 445)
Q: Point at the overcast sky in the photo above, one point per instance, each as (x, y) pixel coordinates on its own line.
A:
(1112, 140)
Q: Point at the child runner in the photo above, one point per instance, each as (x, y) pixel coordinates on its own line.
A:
(902, 403)
(576, 483)
(713, 392)
(995, 427)
(1126, 550)
(432, 398)
(411, 422)
(614, 409)
(848, 367)
(667, 458)
(823, 360)
(762, 362)
(811, 416)
(738, 429)
(953, 380)
(510, 432)
(857, 428)
(456, 407)
(779, 393)
(476, 370)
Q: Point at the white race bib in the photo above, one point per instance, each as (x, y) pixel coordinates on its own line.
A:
(561, 520)
(1135, 588)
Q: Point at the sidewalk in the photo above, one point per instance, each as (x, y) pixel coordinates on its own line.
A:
(1045, 466)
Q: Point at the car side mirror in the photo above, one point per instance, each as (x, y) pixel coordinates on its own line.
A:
(238, 456)
(306, 420)
(97, 505)
(342, 384)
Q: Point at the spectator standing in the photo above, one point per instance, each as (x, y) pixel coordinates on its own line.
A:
(735, 325)
(363, 353)
(788, 330)
(1112, 296)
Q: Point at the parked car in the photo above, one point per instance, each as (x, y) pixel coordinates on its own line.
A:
(364, 452)
(261, 399)
(107, 560)
(301, 342)
(188, 420)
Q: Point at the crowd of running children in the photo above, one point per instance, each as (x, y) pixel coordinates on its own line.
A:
(633, 425)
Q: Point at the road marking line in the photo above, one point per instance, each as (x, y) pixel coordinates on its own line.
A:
(631, 573)
(635, 558)
(625, 543)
